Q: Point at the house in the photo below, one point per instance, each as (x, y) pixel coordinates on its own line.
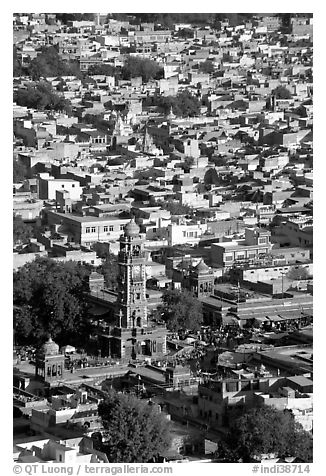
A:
(218, 400)
(178, 234)
(48, 186)
(254, 246)
(86, 230)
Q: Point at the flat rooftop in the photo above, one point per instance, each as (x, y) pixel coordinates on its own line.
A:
(91, 219)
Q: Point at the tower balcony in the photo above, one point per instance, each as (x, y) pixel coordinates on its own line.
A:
(128, 258)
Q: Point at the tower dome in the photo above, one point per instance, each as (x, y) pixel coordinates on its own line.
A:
(50, 347)
(202, 268)
(132, 229)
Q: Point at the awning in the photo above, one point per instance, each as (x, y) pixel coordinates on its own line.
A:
(261, 319)
(275, 318)
(230, 320)
(98, 310)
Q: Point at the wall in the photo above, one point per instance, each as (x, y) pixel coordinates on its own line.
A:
(263, 274)
(21, 259)
(181, 234)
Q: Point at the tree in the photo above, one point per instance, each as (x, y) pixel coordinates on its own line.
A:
(181, 310)
(21, 231)
(185, 33)
(18, 69)
(282, 92)
(298, 273)
(65, 17)
(109, 267)
(102, 69)
(49, 297)
(41, 96)
(176, 208)
(19, 171)
(146, 68)
(49, 63)
(206, 67)
(135, 430)
(266, 430)
(184, 104)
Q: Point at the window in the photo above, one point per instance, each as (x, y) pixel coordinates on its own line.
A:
(111, 228)
(105, 229)
(262, 241)
(73, 185)
(255, 385)
(245, 385)
(88, 230)
(93, 229)
(62, 186)
(122, 227)
(228, 258)
(232, 387)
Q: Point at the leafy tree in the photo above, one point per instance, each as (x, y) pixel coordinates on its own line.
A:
(41, 96)
(176, 208)
(49, 63)
(109, 267)
(181, 310)
(19, 171)
(49, 297)
(65, 17)
(185, 33)
(298, 273)
(18, 69)
(184, 104)
(282, 92)
(206, 67)
(103, 69)
(146, 68)
(21, 231)
(266, 430)
(135, 430)
(97, 121)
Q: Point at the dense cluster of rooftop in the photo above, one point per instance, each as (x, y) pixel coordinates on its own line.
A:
(191, 143)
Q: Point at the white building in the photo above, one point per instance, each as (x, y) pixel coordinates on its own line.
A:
(48, 186)
(179, 234)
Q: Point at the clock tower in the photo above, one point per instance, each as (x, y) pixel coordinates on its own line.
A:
(131, 303)
(133, 336)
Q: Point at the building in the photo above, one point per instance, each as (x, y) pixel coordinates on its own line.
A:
(218, 400)
(183, 233)
(49, 364)
(255, 246)
(71, 451)
(201, 280)
(133, 336)
(48, 186)
(86, 230)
